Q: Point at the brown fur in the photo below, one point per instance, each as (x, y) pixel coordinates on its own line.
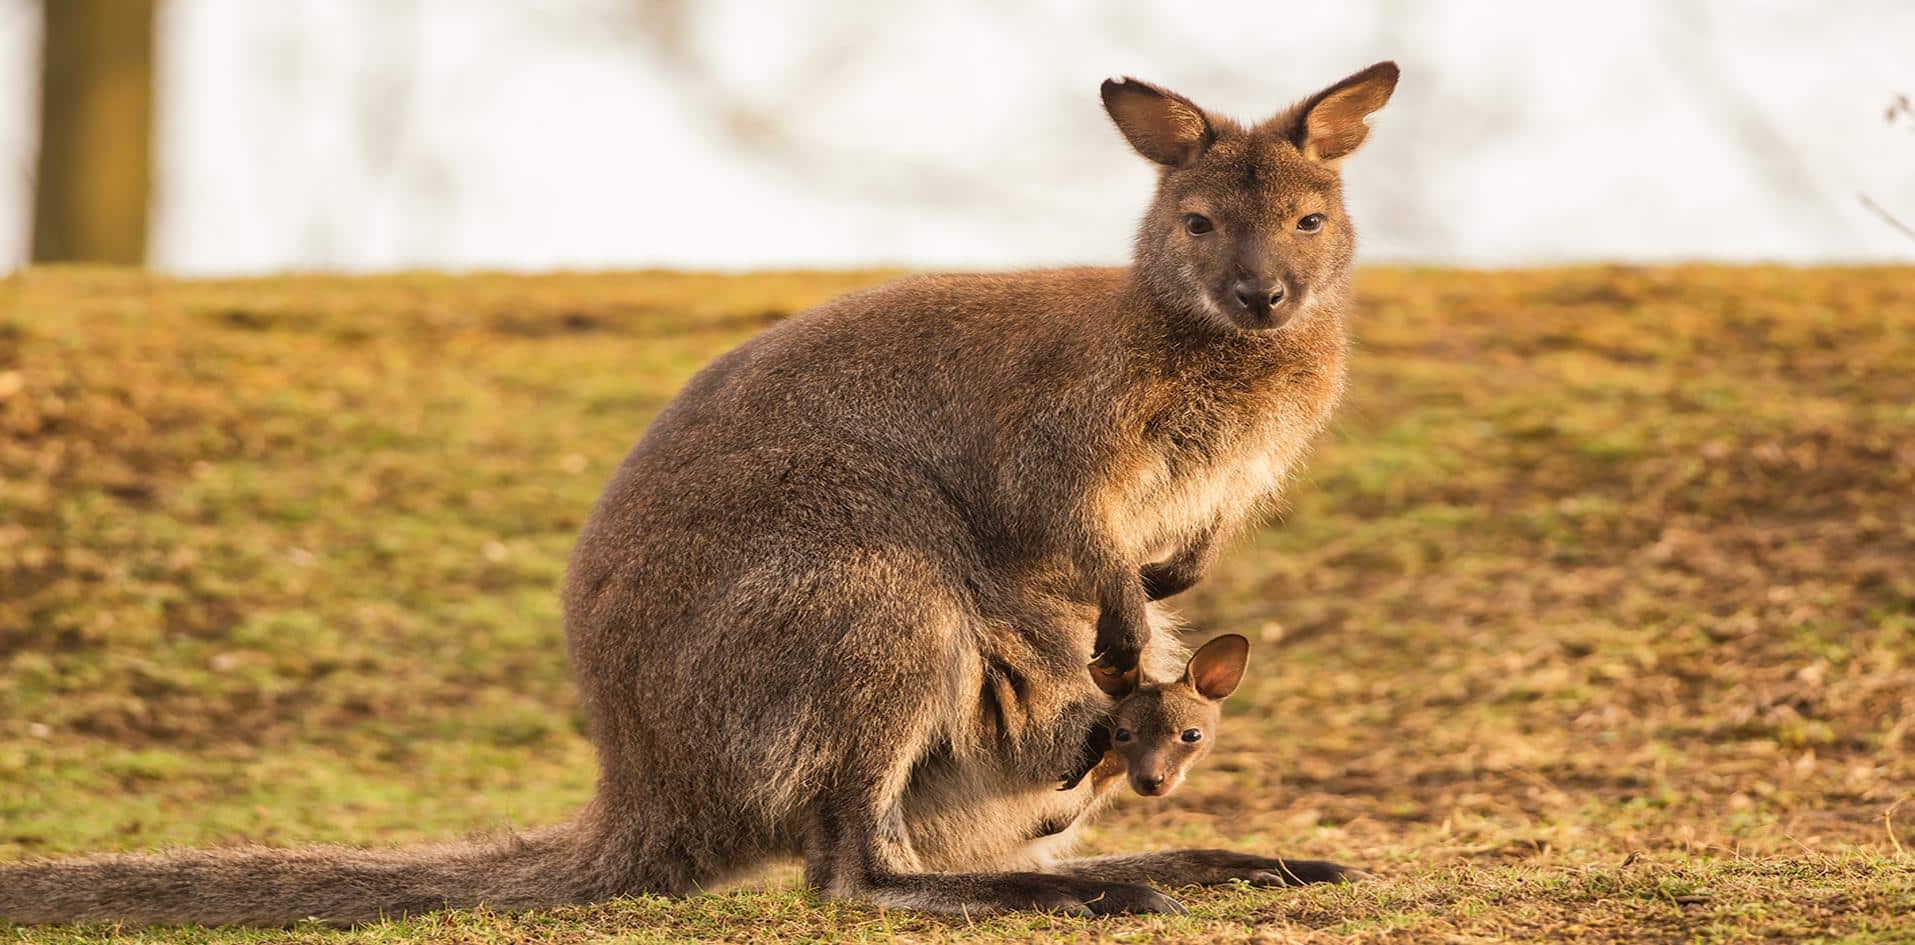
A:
(861, 556)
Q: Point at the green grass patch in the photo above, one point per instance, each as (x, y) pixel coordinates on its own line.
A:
(1589, 621)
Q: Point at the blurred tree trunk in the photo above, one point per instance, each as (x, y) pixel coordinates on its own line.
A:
(96, 108)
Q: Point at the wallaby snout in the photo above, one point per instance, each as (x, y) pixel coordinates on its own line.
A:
(1263, 301)
(1154, 778)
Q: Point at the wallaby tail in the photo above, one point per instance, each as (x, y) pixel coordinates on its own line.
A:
(266, 886)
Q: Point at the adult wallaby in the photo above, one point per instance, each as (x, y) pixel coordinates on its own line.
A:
(840, 598)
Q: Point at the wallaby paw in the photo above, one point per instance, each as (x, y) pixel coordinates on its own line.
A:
(1122, 631)
(1116, 660)
(1165, 580)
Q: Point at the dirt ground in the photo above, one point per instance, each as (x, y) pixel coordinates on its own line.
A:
(1592, 619)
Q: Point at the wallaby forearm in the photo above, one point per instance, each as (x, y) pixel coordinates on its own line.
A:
(1056, 489)
(1114, 581)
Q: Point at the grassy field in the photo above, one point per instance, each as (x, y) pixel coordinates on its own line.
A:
(1592, 620)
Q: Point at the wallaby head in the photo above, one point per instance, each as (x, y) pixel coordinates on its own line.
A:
(1161, 729)
(1247, 229)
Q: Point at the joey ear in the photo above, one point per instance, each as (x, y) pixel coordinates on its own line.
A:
(1160, 124)
(1115, 685)
(1336, 120)
(1217, 667)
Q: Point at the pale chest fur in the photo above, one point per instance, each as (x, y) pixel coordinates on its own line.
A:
(1213, 463)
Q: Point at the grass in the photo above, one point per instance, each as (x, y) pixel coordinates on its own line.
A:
(1593, 619)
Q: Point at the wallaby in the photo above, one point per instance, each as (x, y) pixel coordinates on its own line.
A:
(839, 599)
(1160, 729)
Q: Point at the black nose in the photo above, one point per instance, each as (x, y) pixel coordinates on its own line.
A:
(1257, 297)
(1152, 783)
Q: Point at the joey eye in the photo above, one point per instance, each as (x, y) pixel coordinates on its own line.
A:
(1310, 223)
(1123, 735)
(1196, 224)
(1193, 735)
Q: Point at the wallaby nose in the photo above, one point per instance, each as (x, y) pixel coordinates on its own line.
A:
(1257, 297)
(1149, 784)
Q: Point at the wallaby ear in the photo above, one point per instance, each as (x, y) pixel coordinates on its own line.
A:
(1161, 125)
(1115, 685)
(1217, 667)
(1336, 120)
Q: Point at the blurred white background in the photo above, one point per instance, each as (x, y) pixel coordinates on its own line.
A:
(369, 135)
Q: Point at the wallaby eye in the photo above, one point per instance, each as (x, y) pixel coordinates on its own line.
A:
(1123, 735)
(1193, 735)
(1311, 223)
(1196, 224)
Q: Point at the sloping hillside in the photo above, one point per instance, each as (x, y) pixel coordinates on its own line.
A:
(1592, 620)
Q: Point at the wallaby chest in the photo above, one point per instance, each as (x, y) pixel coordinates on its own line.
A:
(1213, 448)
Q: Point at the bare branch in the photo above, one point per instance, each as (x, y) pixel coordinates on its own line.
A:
(1886, 216)
(759, 123)
(1899, 110)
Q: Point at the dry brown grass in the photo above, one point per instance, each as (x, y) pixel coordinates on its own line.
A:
(1593, 620)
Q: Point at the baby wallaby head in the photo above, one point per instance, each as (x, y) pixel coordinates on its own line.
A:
(1160, 729)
